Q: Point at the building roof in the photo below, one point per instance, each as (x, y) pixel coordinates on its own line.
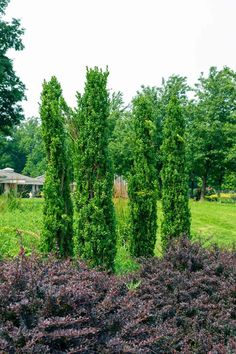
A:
(8, 175)
(41, 178)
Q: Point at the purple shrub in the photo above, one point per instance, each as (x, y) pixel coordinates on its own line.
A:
(185, 303)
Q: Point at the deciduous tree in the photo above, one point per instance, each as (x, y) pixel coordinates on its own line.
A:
(213, 132)
(11, 87)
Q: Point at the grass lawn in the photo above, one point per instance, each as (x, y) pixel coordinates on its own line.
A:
(212, 222)
(20, 224)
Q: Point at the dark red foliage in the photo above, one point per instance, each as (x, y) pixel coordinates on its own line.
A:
(185, 303)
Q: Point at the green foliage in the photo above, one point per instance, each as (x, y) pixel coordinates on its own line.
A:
(10, 153)
(176, 214)
(116, 110)
(121, 145)
(57, 232)
(30, 139)
(95, 235)
(229, 182)
(20, 225)
(133, 285)
(222, 197)
(122, 142)
(11, 88)
(143, 178)
(123, 261)
(212, 130)
(24, 150)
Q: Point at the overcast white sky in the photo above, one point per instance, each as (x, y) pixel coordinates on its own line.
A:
(141, 41)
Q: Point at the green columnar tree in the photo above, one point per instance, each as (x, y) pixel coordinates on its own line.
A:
(176, 213)
(57, 232)
(143, 178)
(96, 239)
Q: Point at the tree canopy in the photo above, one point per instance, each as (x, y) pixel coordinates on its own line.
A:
(212, 130)
(11, 87)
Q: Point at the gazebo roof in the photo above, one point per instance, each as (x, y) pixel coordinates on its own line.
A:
(8, 175)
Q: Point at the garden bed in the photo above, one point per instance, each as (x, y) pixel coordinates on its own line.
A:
(184, 303)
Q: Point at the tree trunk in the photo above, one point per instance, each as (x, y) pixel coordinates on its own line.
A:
(203, 190)
(192, 188)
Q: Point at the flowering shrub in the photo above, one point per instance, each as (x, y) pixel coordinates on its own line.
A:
(185, 303)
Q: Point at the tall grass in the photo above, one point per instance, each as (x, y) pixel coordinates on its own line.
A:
(20, 225)
(123, 262)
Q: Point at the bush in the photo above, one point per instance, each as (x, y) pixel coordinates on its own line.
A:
(184, 303)
(222, 198)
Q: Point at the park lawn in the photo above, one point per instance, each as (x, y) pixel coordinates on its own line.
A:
(209, 220)
(212, 222)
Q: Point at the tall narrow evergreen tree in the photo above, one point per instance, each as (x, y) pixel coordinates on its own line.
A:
(143, 178)
(58, 220)
(176, 213)
(95, 238)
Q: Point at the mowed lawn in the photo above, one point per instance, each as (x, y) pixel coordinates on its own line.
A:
(212, 222)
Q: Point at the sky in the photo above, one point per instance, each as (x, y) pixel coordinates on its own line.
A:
(141, 41)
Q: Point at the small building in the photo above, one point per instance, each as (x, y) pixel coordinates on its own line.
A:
(20, 184)
(13, 181)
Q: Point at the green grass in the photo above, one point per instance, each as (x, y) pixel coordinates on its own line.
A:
(211, 223)
(21, 224)
(214, 222)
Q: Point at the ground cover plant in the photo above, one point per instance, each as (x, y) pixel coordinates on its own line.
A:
(184, 303)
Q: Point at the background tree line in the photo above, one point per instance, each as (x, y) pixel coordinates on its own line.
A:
(210, 118)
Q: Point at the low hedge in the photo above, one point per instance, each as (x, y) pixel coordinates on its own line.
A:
(222, 197)
(184, 303)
